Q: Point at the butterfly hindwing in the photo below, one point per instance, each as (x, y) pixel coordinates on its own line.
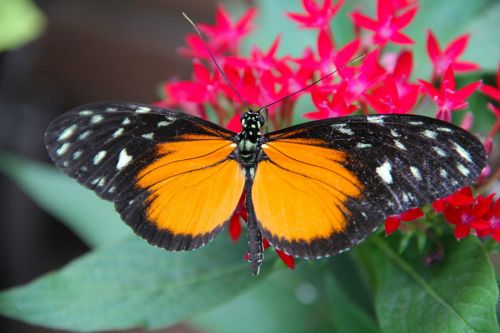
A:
(150, 162)
(323, 186)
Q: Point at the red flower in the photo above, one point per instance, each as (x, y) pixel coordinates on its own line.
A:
(493, 92)
(369, 74)
(388, 99)
(223, 37)
(441, 60)
(316, 17)
(235, 221)
(331, 59)
(392, 222)
(447, 98)
(205, 87)
(493, 218)
(388, 23)
(330, 102)
(466, 217)
(461, 197)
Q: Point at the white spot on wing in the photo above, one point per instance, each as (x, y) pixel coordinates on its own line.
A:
(149, 136)
(126, 121)
(84, 135)
(439, 151)
(384, 171)
(63, 149)
(462, 152)
(77, 154)
(443, 173)
(123, 159)
(143, 109)
(399, 145)
(118, 132)
(375, 119)
(99, 156)
(444, 129)
(101, 182)
(342, 129)
(363, 145)
(463, 170)
(111, 109)
(405, 197)
(85, 113)
(171, 119)
(430, 134)
(67, 133)
(394, 133)
(163, 123)
(416, 172)
(415, 123)
(96, 119)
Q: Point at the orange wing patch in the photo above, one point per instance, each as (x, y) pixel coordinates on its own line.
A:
(299, 193)
(194, 187)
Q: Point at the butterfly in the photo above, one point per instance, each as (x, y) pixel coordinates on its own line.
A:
(312, 190)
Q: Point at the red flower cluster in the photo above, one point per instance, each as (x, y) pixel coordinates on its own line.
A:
(381, 82)
(480, 214)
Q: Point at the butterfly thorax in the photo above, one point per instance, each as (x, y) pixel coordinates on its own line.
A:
(248, 140)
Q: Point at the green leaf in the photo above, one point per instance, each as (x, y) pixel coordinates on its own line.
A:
(457, 294)
(20, 22)
(484, 46)
(348, 316)
(132, 284)
(293, 295)
(91, 218)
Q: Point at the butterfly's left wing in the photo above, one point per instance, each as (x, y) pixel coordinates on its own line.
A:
(170, 174)
(323, 186)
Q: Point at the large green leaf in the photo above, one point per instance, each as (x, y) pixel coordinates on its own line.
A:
(91, 218)
(20, 22)
(457, 294)
(309, 299)
(288, 301)
(131, 284)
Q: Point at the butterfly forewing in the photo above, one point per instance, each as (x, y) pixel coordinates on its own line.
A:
(323, 186)
(150, 162)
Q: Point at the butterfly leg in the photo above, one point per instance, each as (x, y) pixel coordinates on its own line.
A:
(255, 247)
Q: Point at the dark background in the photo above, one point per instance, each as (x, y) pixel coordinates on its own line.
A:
(91, 50)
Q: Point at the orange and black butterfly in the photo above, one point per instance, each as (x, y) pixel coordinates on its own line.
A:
(312, 190)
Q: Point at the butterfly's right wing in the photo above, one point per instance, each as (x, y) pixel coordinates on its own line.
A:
(323, 186)
(169, 174)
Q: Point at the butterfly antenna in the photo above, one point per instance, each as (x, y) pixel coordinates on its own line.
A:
(215, 61)
(314, 82)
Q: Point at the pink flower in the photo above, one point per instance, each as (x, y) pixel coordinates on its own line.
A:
(223, 37)
(447, 98)
(316, 17)
(441, 60)
(330, 102)
(386, 27)
(367, 75)
(331, 59)
(387, 98)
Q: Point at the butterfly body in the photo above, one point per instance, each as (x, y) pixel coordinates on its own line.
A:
(312, 190)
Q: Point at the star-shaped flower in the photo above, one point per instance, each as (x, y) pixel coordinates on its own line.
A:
(388, 24)
(442, 59)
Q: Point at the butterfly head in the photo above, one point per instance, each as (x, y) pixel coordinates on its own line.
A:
(251, 123)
